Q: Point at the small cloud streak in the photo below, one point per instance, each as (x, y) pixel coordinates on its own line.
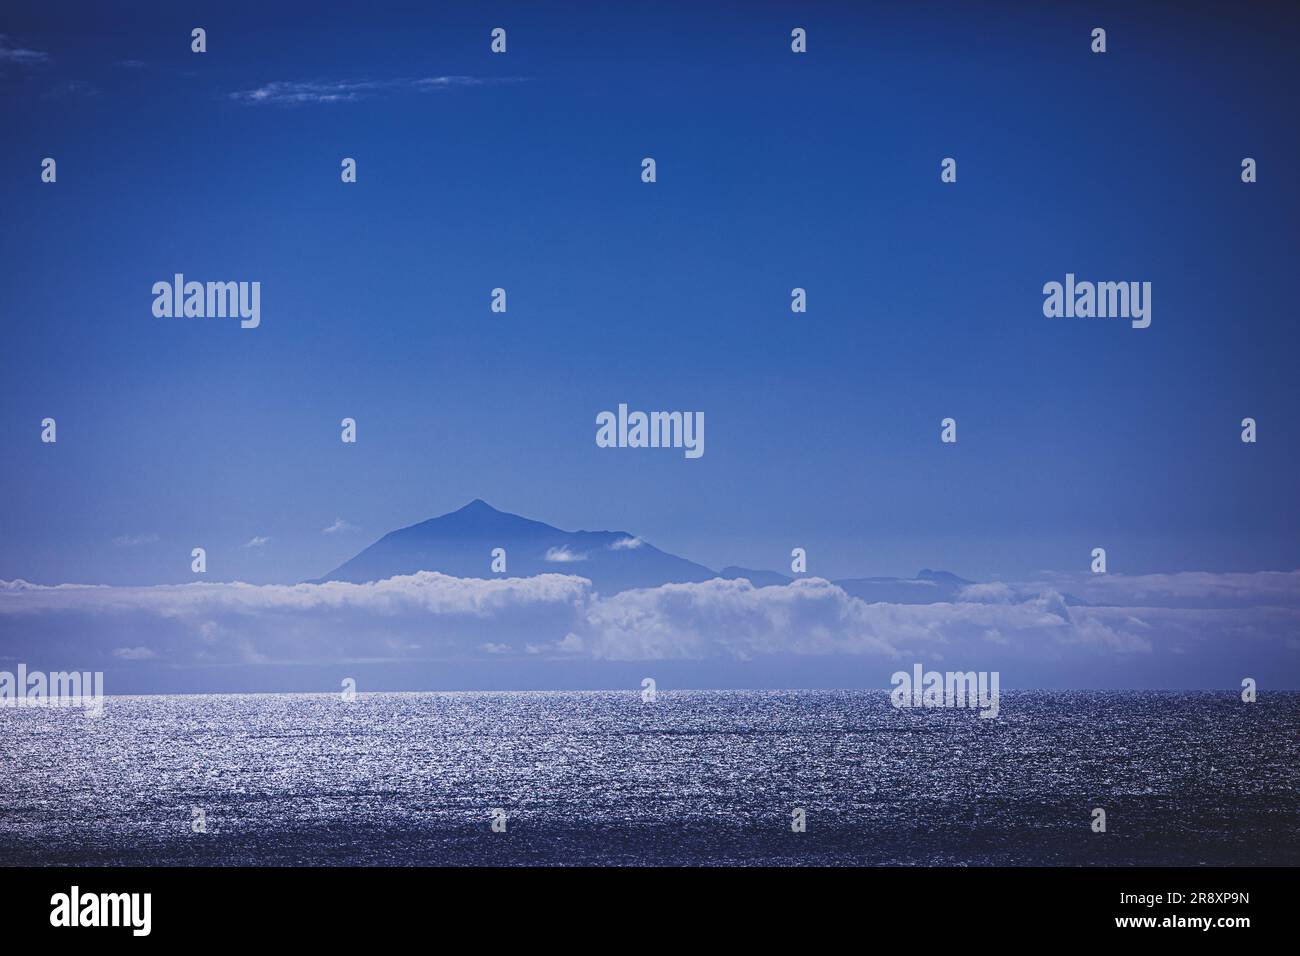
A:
(338, 527)
(626, 544)
(256, 541)
(134, 540)
(446, 82)
(303, 92)
(23, 57)
(563, 555)
(297, 93)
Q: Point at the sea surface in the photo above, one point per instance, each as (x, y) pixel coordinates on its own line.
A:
(691, 778)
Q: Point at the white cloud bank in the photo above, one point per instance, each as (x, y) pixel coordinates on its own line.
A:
(431, 616)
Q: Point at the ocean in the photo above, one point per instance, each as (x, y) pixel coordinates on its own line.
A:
(700, 777)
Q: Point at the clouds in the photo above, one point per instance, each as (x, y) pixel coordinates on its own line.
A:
(559, 617)
(303, 92)
(446, 82)
(338, 527)
(729, 618)
(257, 541)
(562, 555)
(134, 540)
(10, 53)
(425, 616)
(297, 93)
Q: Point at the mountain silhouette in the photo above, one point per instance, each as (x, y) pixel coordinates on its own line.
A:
(461, 543)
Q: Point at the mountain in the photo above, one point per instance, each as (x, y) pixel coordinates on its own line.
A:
(461, 544)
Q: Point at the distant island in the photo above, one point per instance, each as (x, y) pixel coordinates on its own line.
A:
(461, 543)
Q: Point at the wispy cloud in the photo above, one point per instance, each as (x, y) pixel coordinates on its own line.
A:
(134, 540)
(292, 93)
(338, 527)
(301, 92)
(16, 54)
(626, 544)
(256, 541)
(446, 82)
(563, 555)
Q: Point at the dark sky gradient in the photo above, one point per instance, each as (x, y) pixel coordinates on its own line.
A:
(775, 171)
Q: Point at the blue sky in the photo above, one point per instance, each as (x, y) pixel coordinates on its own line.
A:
(774, 171)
